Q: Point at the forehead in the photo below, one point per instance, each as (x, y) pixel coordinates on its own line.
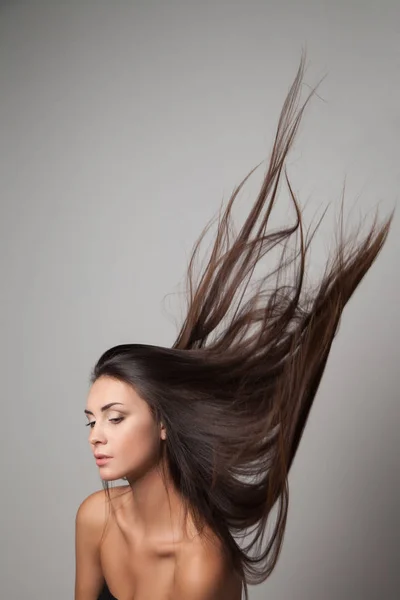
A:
(107, 389)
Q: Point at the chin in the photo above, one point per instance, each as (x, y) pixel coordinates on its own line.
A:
(108, 475)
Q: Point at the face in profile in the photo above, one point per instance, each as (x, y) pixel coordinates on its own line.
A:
(123, 434)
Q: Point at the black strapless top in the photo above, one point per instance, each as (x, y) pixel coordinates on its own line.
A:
(105, 594)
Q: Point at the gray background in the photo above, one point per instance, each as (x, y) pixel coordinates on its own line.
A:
(123, 125)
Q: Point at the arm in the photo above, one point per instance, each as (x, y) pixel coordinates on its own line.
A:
(88, 529)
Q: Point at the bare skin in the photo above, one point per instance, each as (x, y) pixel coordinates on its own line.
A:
(146, 544)
(138, 568)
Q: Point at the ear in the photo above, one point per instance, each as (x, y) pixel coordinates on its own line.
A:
(163, 432)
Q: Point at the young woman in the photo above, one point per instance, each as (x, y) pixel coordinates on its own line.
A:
(205, 432)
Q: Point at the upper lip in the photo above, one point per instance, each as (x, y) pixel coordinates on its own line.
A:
(102, 456)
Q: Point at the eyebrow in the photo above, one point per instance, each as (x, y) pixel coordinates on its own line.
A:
(103, 408)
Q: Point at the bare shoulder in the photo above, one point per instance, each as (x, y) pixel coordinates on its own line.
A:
(204, 573)
(92, 511)
(90, 527)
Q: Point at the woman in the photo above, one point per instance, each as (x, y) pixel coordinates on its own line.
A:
(205, 432)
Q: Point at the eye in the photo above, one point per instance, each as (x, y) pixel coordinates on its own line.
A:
(115, 421)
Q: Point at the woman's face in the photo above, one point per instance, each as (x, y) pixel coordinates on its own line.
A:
(121, 428)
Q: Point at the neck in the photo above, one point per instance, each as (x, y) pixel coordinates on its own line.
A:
(157, 512)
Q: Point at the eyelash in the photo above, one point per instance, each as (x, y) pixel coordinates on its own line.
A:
(115, 421)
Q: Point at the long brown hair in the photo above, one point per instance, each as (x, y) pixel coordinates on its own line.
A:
(236, 388)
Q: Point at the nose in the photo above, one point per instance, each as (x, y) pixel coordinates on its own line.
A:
(96, 442)
(96, 437)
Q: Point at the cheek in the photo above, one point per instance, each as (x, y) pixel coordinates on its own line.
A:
(134, 441)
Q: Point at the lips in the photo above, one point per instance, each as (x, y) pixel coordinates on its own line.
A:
(101, 459)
